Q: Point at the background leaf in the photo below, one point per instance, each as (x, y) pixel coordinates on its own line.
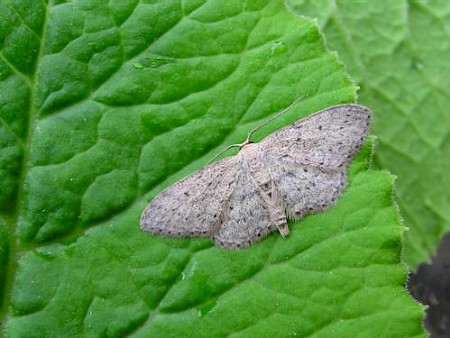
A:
(103, 104)
(398, 52)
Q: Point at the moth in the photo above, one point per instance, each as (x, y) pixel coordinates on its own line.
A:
(239, 200)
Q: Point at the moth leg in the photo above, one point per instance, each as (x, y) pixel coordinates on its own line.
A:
(261, 175)
(281, 224)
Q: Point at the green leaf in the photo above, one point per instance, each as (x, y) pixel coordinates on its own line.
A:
(103, 104)
(398, 54)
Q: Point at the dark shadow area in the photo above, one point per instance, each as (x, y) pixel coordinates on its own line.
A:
(430, 285)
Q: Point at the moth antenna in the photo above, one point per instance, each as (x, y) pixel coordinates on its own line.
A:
(284, 111)
(225, 150)
(247, 141)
